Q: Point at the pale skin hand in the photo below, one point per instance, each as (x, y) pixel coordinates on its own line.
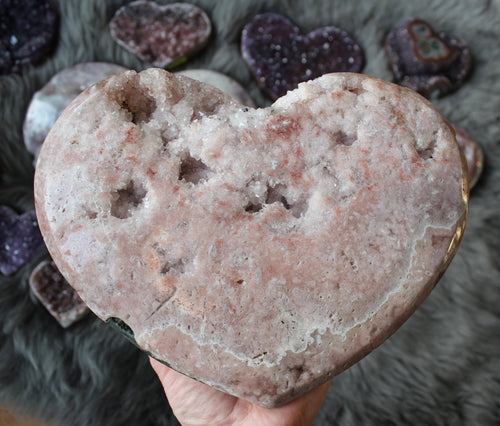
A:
(195, 403)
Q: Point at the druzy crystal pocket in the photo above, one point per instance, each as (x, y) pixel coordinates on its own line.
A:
(260, 251)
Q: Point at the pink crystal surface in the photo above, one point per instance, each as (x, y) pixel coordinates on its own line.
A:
(260, 251)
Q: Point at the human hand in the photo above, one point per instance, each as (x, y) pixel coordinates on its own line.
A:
(195, 403)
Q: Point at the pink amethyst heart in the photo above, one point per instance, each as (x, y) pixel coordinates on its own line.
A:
(56, 295)
(161, 35)
(260, 251)
(280, 57)
(434, 64)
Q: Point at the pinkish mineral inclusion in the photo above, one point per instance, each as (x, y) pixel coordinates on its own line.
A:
(260, 251)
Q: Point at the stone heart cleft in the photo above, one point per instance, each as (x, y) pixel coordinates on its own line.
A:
(260, 251)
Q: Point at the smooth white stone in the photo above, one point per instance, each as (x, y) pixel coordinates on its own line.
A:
(48, 103)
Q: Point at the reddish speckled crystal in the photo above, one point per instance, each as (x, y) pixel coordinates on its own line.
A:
(260, 251)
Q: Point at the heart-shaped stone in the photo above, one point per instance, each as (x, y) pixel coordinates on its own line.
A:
(20, 239)
(28, 32)
(56, 295)
(434, 64)
(161, 35)
(280, 57)
(260, 251)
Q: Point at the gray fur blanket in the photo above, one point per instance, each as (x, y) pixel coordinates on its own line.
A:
(441, 368)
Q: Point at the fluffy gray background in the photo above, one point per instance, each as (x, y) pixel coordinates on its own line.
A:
(442, 367)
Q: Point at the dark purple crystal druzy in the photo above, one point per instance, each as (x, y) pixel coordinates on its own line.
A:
(55, 293)
(28, 31)
(431, 63)
(20, 239)
(280, 57)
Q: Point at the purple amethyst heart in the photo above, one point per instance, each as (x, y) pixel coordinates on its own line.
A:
(28, 31)
(280, 57)
(20, 239)
(431, 63)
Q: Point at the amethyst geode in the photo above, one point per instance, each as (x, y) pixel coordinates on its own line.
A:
(28, 31)
(54, 292)
(429, 62)
(20, 239)
(280, 57)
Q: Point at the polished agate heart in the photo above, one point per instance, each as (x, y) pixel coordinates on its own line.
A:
(260, 251)
(280, 57)
(429, 62)
(161, 35)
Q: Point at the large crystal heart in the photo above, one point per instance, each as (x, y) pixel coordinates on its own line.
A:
(261, 251)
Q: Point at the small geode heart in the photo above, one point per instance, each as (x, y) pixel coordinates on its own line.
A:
(280, 57)
(20, 239)
(261, 251)
(56, 295)
(434, 64)
(161, 35)
(28, 32)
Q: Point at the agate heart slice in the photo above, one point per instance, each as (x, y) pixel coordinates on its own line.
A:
(260, 251)
(426, 61)
(161, 35)
(280, 57)
(473, 154)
